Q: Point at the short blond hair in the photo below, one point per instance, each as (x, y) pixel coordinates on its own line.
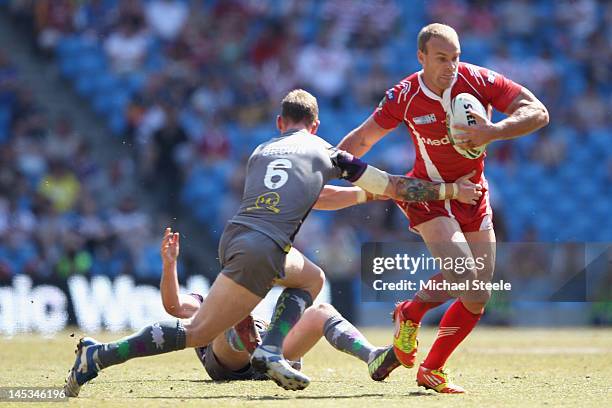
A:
(300, 106)
(437, 30)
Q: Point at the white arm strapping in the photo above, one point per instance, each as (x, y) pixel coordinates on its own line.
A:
(362, 197)
(442, 194)
(373, 180)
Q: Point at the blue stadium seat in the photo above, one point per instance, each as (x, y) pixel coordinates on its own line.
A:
(91, 61)
(85, 83)
(88, 61)
(474, 49)
(565, 207)
(67, 67)
(568, 174)
(5, 120)
(70, 46)
(198, 187)
(105, 81)
(574, 84)
(133, 82)
(117, 122)
(600, 207)
(148, 264)
(106, 102)
(600, 139)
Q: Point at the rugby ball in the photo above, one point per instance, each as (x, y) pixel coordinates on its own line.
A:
(460, 113)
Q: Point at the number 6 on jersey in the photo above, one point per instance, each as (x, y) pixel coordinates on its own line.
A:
(275, 177)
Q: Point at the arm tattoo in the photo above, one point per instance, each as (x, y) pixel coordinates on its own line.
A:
(411, 189)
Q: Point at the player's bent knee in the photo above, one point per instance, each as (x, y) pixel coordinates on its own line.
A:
(475, 307)
(463, 276)
(316, 280)
(324, 311)
(198, 334)
(316, 316)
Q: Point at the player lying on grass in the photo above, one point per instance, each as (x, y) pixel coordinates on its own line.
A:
(228, 356)
(283, 180)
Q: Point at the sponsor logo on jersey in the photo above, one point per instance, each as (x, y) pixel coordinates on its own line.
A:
(268, 201)
(425, 119)
(434, 142)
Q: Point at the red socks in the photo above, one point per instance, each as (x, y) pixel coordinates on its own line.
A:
(455, 325)
(416, 309)
(424, 300)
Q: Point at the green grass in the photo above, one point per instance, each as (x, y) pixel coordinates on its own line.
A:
(498, 367)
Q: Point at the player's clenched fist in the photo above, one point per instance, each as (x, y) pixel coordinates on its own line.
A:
(469, 192)
(170, 246)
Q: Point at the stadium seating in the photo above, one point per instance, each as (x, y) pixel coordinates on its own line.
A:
(552, 198)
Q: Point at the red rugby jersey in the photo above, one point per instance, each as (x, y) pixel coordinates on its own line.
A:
(424, 113)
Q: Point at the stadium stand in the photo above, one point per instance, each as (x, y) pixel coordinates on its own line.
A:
(194, 92)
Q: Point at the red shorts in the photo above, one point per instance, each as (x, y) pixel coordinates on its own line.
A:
(478, 217)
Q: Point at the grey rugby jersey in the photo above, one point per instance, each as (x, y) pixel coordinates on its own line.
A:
(284, 178)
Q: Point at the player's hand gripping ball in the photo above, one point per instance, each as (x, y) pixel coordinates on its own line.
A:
(461, 110)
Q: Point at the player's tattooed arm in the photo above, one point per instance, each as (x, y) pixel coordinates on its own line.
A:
(412, 189)
(404, 188)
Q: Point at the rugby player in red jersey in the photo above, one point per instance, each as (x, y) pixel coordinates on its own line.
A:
(421, 101)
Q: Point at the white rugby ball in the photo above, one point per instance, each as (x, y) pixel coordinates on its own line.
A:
(460, 113)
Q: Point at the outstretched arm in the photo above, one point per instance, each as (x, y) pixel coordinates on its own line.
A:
(404, 188)
(412, 189)
(337, 198)
(176, 304)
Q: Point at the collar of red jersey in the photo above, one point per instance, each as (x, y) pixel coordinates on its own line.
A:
(446, 95)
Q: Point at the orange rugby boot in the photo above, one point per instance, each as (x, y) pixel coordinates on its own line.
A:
(437, 380)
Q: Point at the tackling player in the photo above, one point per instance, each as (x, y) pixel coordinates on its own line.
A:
(227, 358)
(421, 102)
(284, 178)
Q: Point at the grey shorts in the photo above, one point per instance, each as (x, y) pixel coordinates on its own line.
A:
(250, 258)
(217, 372)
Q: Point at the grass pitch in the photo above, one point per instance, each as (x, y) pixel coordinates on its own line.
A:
(498, 367)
